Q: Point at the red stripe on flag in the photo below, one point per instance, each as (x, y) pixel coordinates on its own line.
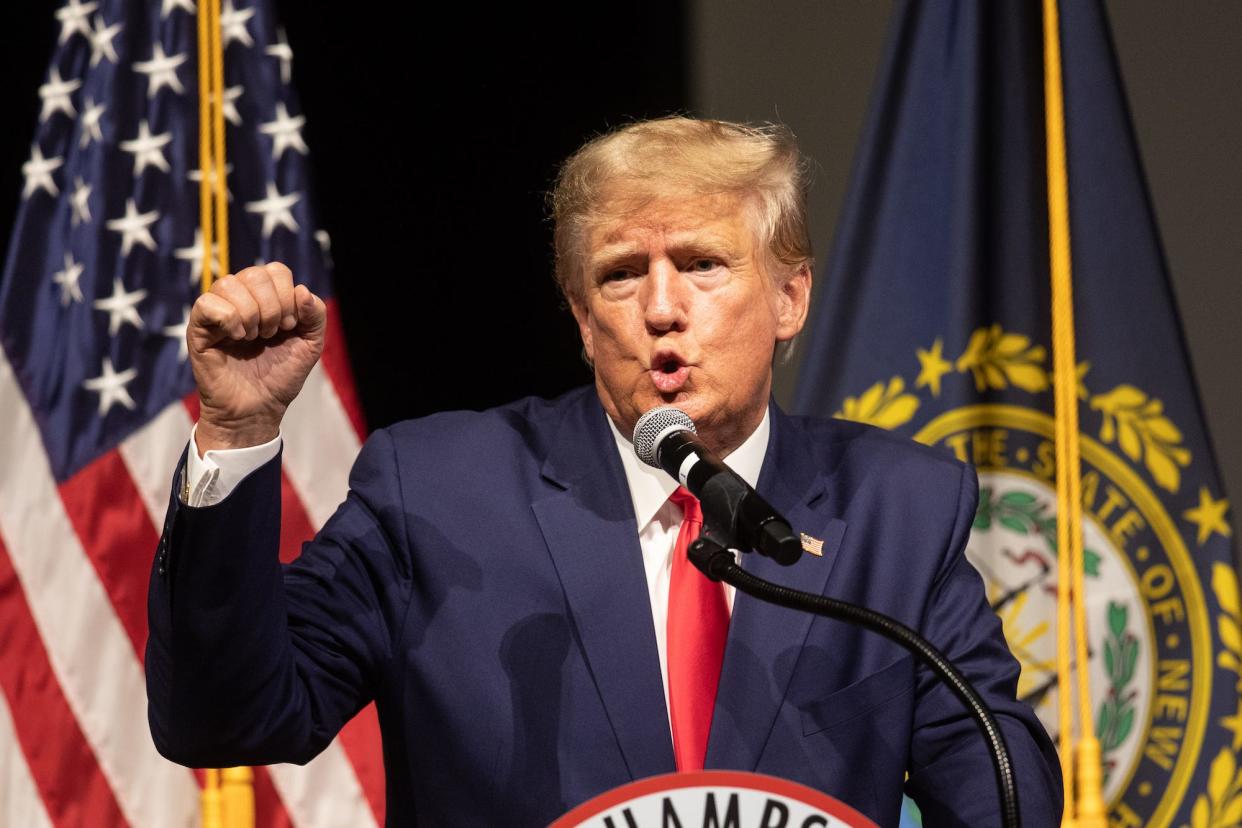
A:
(361, 739)
(269, 811)
(73, 788)
(336, 363)
(108, 516)
(295, 524)
(192, 404)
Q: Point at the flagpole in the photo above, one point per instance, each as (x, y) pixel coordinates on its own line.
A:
(227, 800)
(1087, 809)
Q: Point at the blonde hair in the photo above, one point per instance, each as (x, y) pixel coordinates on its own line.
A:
(622, 170)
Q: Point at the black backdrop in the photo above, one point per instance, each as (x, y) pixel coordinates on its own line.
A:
(434, 134)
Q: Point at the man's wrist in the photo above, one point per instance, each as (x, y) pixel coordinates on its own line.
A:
(211, 475)
(211, 436)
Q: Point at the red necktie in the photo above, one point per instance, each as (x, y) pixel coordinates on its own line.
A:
(698, 624)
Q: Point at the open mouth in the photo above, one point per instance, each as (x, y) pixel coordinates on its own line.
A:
(669, 372)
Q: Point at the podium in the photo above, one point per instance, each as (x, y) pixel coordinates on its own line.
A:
(717, 798)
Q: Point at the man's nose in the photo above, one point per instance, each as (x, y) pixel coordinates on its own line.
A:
(664, 305)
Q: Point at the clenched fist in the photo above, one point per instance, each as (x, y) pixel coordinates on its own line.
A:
(253, 339)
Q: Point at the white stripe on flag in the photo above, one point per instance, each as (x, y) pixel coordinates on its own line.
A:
(324, 791)
(320, 447)
(22, 803)
(151, 454)
(89, 650)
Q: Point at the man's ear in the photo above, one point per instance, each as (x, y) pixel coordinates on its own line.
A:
(794, 303)
(583, 317)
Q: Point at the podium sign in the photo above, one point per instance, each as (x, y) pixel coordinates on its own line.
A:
(727, 799)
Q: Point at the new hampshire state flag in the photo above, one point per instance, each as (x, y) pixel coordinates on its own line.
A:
(934, 321)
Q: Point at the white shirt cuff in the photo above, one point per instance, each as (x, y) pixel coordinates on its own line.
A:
(212, 477)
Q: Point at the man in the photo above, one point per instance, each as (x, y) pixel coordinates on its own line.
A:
(504, 583)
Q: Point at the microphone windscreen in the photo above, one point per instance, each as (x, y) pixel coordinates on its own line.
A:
(654, 426)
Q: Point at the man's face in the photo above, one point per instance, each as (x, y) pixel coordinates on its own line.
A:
(677, 309)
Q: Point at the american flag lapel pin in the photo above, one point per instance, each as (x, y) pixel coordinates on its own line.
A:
(812, 546)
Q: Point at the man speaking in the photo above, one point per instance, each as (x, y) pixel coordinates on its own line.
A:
(511, 587)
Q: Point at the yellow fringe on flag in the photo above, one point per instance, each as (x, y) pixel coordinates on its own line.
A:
(1086, 810)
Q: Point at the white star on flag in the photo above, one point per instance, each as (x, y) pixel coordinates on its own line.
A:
(281, 51)
(229, 107)
(68, 278)
(148, 149)
(194, 255)
(233, 24)
(196, 175)
(325, 245)
(90, 123)
(161, 70)
(73, 18)
(134, 227)
(101, 42)
(178, 331)
(38, 172)
(286, 132)
(55, 94)
(276, 209)
(79, 201)
(110, 385)
(121, 307)
(167, 6)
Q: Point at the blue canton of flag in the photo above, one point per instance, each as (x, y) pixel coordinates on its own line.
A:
(96, 398)
(106, 256)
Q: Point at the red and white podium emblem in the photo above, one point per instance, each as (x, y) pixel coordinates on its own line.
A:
(716, 798)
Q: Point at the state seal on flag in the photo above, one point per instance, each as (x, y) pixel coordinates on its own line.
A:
(1150, 628)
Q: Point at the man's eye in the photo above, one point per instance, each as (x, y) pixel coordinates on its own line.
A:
(616, 275)
(703, 265)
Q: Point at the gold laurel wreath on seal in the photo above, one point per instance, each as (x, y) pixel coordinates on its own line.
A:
(1221, 806)
(997, 359)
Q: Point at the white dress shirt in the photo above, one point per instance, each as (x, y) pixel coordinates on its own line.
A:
(210, 479)
(658, 520)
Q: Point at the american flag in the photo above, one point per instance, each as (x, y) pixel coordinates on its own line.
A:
(97, 401)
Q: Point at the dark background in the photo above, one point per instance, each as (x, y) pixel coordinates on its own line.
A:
(435, 136)
(433, 146)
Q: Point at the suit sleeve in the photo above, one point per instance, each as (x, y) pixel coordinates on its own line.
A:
(252, 662)
(952, 777)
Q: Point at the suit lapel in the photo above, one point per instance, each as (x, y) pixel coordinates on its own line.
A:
(588, 526)
(765, 640)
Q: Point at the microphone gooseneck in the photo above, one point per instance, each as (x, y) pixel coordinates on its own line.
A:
(665, 438)
(717, 563)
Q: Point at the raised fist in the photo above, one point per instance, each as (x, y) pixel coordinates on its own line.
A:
(253, 339)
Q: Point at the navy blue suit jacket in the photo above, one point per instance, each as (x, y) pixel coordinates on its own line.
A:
(484, 584)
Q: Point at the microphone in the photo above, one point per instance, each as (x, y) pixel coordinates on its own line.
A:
(665, 438)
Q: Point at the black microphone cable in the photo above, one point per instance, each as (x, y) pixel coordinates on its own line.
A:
(718, 564)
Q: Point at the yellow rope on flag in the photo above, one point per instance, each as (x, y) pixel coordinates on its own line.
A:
(211, 800)
(227, 799)
(204, 141)
(237, 796)
(217, 122)
(1087, 809)
(213, 187)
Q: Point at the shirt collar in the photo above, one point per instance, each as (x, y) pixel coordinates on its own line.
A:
(651, 487)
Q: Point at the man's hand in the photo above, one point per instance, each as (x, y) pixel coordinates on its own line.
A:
(253, 339)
